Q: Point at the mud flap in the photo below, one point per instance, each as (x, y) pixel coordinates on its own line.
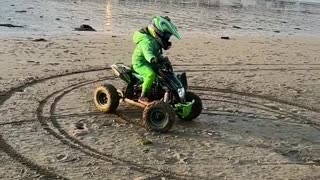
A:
(184, 109)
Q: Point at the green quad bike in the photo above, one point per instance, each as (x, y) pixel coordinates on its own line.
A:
(168, 96)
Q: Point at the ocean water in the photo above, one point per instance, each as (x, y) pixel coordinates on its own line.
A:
(217, 17)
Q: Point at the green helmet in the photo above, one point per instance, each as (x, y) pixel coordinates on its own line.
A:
(161, 28)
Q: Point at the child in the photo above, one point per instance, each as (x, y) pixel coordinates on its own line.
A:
(148, 52)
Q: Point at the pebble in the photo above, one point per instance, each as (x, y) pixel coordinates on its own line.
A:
(85, 27)
(61, 157)
(237, 27)
(146, 150)
(79, 129)
(39, 40)
(23, 11)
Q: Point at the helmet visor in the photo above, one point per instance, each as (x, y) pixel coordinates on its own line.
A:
(166, 36)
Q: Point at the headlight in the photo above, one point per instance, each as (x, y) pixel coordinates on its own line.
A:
(182, 93)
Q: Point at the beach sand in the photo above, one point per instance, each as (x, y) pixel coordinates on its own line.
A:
(261, 114)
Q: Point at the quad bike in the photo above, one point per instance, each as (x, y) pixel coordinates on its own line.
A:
(168, 96)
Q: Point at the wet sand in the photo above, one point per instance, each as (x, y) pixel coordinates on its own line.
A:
(260, 91)
(213, 17)
(260, 119)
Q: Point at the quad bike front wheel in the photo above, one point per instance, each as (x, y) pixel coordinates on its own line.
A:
(196, 107)
(106, 98)
(158, 116)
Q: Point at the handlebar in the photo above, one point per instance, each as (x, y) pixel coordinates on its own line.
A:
(165, 65)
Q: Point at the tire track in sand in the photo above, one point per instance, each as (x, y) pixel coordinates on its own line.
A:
(88, 150)
(33, 166)
(9, 150)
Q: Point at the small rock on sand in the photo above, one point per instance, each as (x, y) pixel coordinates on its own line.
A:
(10, 25)
(39, 40)
(61, 157)
(54, 64)
(78, 129)
(66, 158)
(236, 27)
(84, 27)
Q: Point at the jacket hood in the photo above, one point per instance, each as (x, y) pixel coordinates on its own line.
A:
(138, 36)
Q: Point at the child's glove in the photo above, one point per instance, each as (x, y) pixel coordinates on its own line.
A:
(157, 60)
(165, 59)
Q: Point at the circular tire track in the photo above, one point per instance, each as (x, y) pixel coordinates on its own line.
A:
(56, 124)
(269, 98)
(18, 122)
(10, 151)
(298, 118)
(74, 143)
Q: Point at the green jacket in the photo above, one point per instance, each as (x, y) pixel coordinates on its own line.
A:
(146, 49)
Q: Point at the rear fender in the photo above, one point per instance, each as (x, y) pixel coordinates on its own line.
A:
(122, 71)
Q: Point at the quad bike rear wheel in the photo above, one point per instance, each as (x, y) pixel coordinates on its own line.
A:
(196, 107)
(158, 116)
(106, 98)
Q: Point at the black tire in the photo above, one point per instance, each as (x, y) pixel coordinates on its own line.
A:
(156, 110)
(196, 107)
(106, 98)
